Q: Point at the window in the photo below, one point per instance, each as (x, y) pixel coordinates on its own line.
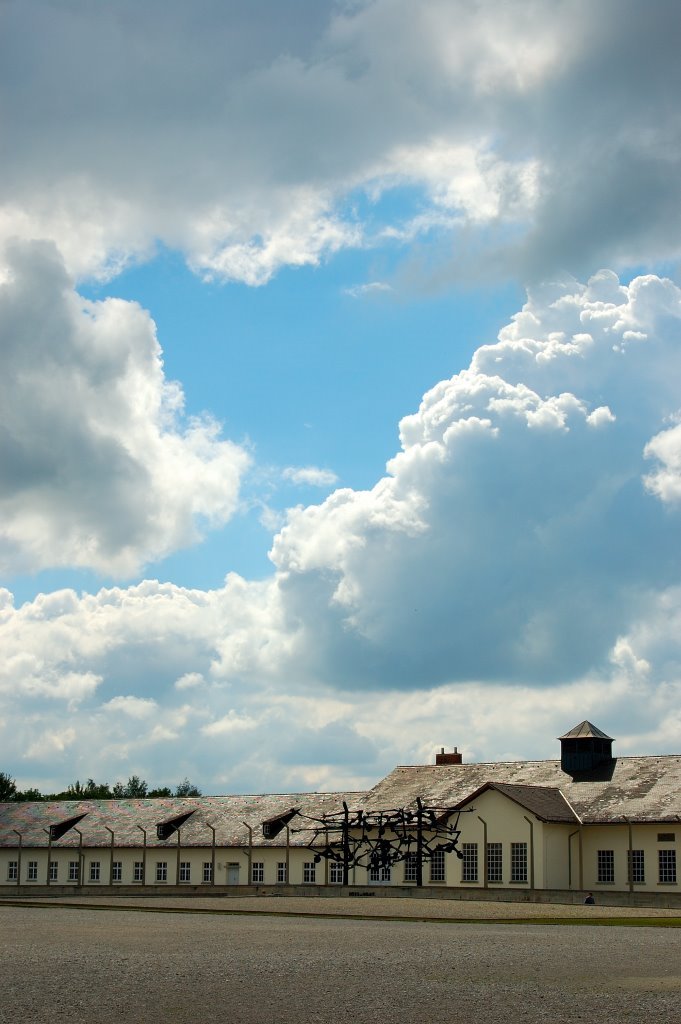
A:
(185, 871)
(13, 871)
(469, 864)
(606, 866)
(138, 871)
(258, 871)
(411, 864)
(636, 866)
(336, 873)
(494, 863)
(162, 871)
(74, 871)
(379, 874)
(208, 870)
(117, 871)
(281, 871)
(437, 866)
(54, 868)
(518, 862)
(667, 866)
(94, 870)
(309, 871)
(32, 873)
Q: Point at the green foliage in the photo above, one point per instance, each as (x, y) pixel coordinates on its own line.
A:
(134, 789)
(185, 788)
(8, 787)
(29, 796)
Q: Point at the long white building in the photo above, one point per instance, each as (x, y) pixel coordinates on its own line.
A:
(589, 821)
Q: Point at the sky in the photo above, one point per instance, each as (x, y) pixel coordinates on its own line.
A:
(340, 386)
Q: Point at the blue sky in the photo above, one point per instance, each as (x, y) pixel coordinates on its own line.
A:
(340, 414)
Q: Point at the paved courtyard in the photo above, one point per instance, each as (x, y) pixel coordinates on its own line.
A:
(98, 966)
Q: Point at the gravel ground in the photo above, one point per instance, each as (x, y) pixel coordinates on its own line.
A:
(89, 966)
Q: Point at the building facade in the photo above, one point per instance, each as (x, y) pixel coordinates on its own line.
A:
(589, 821)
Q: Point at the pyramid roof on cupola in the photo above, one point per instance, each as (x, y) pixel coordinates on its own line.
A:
(585, 730)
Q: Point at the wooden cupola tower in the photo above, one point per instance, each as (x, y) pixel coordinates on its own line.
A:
(584, 748)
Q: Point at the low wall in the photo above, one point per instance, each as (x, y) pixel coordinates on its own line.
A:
(664, 900)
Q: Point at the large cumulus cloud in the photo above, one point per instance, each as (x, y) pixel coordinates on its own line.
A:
(98, 466)
(245, 135)
(522, 547)
(522, 526)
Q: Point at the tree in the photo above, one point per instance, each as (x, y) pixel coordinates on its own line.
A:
(29, 796)
(185, 788)
(97, 790)
(160, 791)
(135, 788)
(8, 787)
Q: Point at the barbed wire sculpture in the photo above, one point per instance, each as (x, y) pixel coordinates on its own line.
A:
(376, 840)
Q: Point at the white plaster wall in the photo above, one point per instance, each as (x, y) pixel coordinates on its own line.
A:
(506, 824)
(616, 838)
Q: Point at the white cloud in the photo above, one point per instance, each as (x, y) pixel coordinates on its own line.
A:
(545, 128)
(52, 742)
(99, 466)
(371, 288)
(229, 723)
(189, 681)
(665, 481)
(310, 476)
(512, 554)
(134, 707)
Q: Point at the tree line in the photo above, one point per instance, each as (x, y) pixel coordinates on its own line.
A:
(91, 790)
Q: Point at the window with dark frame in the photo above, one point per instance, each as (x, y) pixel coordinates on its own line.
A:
(309, 871)
(117, 871)
(138, 871)
(74, 871)
(94, 870)
(667, 867)
(494, 862)
(411, 867)
(380, 874)
(54, 870)
(336, 873)
(258, 871)
(32, 871)
(281, 872)
(185, 871)
(162, 871)
(606, 866)
(518, 862)
(636, 869)
(469, 864)
(13, 871)
(208, 870)
(437, 866)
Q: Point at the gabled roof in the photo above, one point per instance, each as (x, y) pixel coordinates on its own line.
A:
(546, 802)
(230, 816)
(644, 789)
(585, 730)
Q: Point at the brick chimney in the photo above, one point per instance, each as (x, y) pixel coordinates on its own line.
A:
(453, 758)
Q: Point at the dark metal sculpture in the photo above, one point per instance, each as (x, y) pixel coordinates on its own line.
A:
(376, 839)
